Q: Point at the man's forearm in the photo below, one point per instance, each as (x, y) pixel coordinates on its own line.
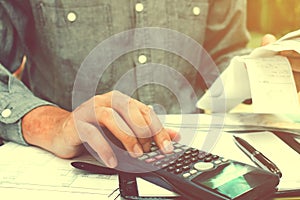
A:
(43, 127)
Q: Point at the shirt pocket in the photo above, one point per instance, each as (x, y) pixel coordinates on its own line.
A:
(69, 29)
(189, 17)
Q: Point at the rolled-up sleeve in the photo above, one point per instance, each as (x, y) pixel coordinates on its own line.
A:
(16, 100)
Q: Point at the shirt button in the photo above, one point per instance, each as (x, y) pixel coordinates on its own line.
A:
(142, 59)
(139, 7)
(71, 17)
(6, 113)
(196, 10)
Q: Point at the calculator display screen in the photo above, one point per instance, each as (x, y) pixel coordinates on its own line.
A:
(232, 180)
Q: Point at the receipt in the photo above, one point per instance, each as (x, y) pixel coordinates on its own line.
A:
(272, 85)
(262, 75)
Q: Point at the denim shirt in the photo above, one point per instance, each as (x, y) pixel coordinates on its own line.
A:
(57, 36)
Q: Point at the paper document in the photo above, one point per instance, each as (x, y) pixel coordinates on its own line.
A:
(263, 75)
(233, 122)
(27, 172)
(272, 85)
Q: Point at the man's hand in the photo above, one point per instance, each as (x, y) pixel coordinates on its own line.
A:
(62, 132)
(294, 58)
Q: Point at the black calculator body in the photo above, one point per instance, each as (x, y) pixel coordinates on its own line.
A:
(195, 174)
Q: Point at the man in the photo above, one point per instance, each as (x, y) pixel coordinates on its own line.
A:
(57, 35)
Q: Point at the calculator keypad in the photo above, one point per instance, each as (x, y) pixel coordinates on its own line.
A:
(184, 161)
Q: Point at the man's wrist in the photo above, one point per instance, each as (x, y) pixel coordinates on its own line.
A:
(40, 125)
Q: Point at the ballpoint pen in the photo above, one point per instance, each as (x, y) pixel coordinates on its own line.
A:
(97, 169)
(257, 157)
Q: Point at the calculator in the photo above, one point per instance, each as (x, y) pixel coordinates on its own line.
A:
(196, 174)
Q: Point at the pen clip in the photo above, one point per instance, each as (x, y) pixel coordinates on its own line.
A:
(257, 157)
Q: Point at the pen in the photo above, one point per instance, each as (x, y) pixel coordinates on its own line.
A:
(97, 169)
(257, 157)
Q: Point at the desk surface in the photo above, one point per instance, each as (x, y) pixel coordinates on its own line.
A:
(46, 175)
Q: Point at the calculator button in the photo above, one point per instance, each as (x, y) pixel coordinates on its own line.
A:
(153, 148)
(194, 154)
(178, 171)
(218, 162)
(186, 168)
(178, 165)
(215, 157)
(201, 156)
(203, 166)
(187, 157)
(185, 147)
(208, 159)
(158, 157)
(173, 162)
(150, 160)
(143, 157)
(186, 175)
(193, 171)
(171, 168)
(177, 150)
(178, 145)
(187, 162)
(208, 155)
(151, 154)
(195, 151)
(158, 163)
(179, 160)
(188, 152)
(165, 165)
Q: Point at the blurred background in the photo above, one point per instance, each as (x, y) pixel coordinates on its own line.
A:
(277, 17)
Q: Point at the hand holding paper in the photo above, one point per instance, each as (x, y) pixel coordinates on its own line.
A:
(264, 76)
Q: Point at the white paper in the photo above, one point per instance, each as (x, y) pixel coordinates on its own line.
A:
(272, 85)
(27, 172)
(239, 81)
(232, 122)
(231, 88)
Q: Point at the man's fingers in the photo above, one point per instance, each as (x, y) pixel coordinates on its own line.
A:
(131, 122)
(119, 128)
(175, 136)
(268, 39)
(290, 54)
(163, 141)
(159, 134)
(295, 63)
(138, 117)
(132, 115)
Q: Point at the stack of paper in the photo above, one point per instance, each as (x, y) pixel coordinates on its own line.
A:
(230, 122)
